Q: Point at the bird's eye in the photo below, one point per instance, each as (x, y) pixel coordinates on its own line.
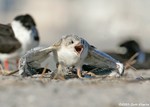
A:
(71, 42)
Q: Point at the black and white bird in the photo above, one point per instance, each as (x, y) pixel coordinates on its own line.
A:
(17, 37)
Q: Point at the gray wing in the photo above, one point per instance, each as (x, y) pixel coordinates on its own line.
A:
(37, 54)
(8, 42)
(100, 59)
(32, 59)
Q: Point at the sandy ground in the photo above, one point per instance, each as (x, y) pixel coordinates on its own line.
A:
(98, 92)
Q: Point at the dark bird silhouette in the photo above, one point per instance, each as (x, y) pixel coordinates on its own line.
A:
(132, 47)
(141, 59)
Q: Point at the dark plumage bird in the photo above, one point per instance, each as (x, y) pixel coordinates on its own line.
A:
(143, 58)
(17, 37)
(132, 47)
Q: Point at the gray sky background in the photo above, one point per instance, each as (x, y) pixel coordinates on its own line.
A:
(103, 23)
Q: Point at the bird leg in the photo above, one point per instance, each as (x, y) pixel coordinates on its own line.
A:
(17, 63)
(79, 72)
(59, 72)
(131, 61)
(6, 65)
(1, 69)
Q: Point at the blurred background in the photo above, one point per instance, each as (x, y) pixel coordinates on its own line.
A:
(103, 23)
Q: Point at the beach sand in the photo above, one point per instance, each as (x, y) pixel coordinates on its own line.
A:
(126, 91)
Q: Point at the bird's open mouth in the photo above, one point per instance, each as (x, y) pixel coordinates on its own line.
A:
(79, 48)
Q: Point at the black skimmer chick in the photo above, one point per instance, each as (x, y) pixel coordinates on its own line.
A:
(71, 51)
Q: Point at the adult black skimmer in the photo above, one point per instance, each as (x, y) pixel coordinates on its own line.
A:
(17, 37)
(133, 48)
(142, 59)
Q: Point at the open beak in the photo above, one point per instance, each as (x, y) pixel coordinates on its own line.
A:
(79, 48)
